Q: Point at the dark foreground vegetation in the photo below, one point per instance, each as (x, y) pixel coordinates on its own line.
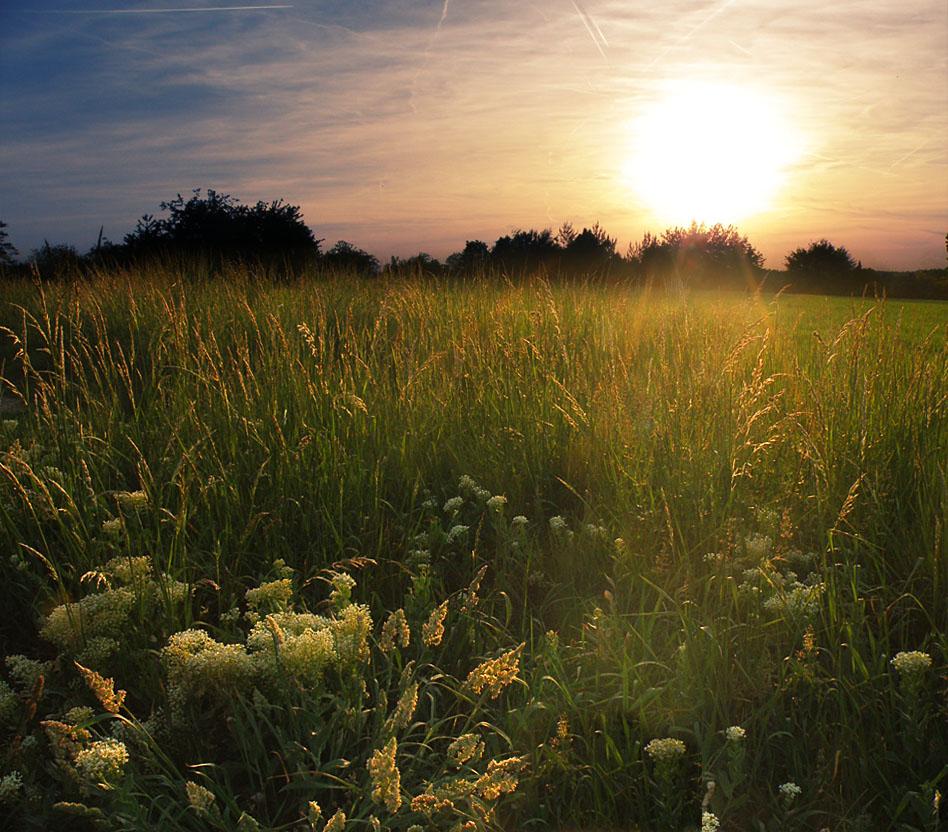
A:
(272, 240)
(388, 554)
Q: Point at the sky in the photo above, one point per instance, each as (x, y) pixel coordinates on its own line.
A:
(408, 125)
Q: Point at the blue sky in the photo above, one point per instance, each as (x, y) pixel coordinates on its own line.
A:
(409, 126)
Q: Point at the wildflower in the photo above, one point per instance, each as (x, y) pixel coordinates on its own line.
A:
(10, 787)
(466, 483)
(557, 523)
(342, 586)
(911, 663)
(386, 781)
(735, 734)
(519, 520)
(429, 804)
(112, 527)
(336, 823)
(313, 813)
(102, 761)
(666, 750)
(789, 791)
(248, 823)
(351, 631)
(432, 630)
(709, 822)
(467, 748)
(28, 672)
(280, 567)
(133, 502)
(495, 674)
(71, 626)
(270, 595)
(104, 689)
(757, 545)
(201, 800)
(80, 810)
(502, 776)
(405, 708)
(394, 631)
(196, 665)
(455, 533)
(453, 504)
(497, 503)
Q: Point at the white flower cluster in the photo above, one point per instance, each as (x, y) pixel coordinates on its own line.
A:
(102, 761)
(272, 595)
(709, 822)
(497, 503)
(455, 533)
(10, 787)
(665, 750)
(790, 790)
(453, 504)
(735, 734)
(94, 627)
(557, 523)
(911, 663)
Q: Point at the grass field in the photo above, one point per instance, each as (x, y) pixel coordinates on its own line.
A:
(420, 556)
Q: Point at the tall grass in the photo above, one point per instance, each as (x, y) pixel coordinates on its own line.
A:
(733, 513)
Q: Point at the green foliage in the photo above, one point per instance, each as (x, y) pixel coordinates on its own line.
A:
(367, 548)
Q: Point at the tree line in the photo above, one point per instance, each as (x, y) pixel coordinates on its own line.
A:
(218, 227)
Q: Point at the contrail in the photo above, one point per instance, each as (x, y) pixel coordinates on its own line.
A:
(159, 11)
(707, 19)
(593, 29)
(444, 14)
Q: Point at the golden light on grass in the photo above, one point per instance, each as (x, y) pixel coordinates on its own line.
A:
(711, 152)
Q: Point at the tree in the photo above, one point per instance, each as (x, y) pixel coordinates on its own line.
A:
(474, 259)
(217, 223)
(7, 250)
(592, 251)
(345, 258)
(420, 264)
(820, 259)
(525, 251)
(698, 256)
(55, 261)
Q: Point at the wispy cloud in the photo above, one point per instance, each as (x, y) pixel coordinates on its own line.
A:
(158, 11)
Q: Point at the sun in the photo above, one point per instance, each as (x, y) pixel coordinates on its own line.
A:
(709, 152)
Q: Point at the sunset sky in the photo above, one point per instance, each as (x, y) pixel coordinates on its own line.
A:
(406, 125)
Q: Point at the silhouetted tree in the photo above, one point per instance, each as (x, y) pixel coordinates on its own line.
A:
(474, 259)
(56, 261)
(345, 258)
(218, 224)
(525, 251)
(822, 267)
(698, 256)
(7, 250)
(421, 264)
(591, 252)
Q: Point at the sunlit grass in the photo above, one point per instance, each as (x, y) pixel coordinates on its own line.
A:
(610, 519)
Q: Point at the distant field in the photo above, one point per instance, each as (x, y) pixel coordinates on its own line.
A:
(472, 556)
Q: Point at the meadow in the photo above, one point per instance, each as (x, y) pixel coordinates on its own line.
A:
(342, 554)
